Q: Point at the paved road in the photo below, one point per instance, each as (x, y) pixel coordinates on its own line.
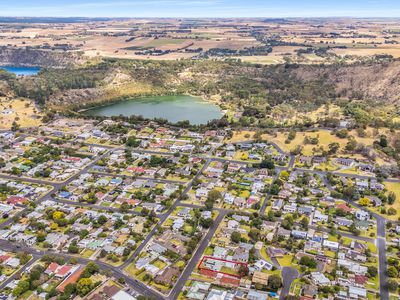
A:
(19, 272)
(94, 206)
(274, 261)
(264, 206)
(383, 277)
(381, 244)
(157, 180)
(27, 179)
(292, 160)
(136, 285)
(289, 274)
(162, 218)
(196, 258)
(323, 173)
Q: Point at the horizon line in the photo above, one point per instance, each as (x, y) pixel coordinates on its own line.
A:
(203, 17)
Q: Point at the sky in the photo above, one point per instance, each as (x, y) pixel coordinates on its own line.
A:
(200, 8)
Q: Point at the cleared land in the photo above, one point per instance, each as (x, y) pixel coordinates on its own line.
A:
(24, 112)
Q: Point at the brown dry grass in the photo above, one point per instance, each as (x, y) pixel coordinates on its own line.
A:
(23, 111)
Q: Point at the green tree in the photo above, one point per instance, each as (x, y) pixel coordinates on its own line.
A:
(84, 286)
(236, 237)
(308, 262)
(206, 223)
(22, 287)
(392, 285)
(333, 147)
(274, 282)
(392, 272)
(372, 271)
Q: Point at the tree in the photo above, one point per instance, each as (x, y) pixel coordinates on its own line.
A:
(350, 193)
(364, 201)
(214, 195)
(287, 222)
(236, 237)
(15, 126)
(392, 285)
(354, 230)
(284, 175)
(206, 223)
(124, 208)
(372, 271)
(254, 234)
(24, 257)
(267, 164)
(21, 288)
(83, 233)
(102, 219)
(391, 198)
(342, 133)
(243, 271)
(73, 248)
(57, 215)
(308, 262)
(84, 286)
(292, 297)
(392, 272)
(70, 289)
(383, 142)
(333, 148)
(274, 282)
(90, 269)
(35, 273)
(132, 142)
(121, 280)
(41, 236)
(351, 145)
(304, 222)
(274, 190)
(118, 223)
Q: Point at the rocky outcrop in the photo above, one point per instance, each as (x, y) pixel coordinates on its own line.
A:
(369, 81)
(28, 57)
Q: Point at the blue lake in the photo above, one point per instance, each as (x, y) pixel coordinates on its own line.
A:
(22, 71)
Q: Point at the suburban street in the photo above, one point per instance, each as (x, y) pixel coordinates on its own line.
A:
(288, 273)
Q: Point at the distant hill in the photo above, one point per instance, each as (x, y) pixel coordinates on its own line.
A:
(304, 87)
(50, 20)
(33, 57)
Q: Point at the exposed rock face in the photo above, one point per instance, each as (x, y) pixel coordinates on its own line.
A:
(41, 58)
(374, 81)
(76, 97)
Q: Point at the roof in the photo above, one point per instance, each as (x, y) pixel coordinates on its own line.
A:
(343, 206)
(16, 200)
(71, 279)
(111, 290)
(52, 267)
(121, 295)
(64, 270)
(358, 291)
(260, 277)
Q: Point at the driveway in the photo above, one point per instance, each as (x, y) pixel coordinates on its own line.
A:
(289, 274)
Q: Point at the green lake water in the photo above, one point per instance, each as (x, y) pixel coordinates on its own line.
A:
(172, 108)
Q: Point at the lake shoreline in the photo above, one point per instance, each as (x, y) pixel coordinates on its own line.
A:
(109, 102)
(170, 107)
(20, 70)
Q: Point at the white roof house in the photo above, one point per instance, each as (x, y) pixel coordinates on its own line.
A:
(121, 295)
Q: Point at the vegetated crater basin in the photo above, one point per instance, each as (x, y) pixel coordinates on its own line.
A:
(172, 108)
(21, 71)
